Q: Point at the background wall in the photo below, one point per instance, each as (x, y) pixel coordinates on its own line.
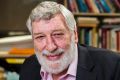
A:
(14, 13)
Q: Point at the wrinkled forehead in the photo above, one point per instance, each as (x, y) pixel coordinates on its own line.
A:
(57, 19)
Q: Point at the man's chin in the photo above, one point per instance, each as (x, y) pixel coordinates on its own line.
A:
(53, 68)
(53, 65)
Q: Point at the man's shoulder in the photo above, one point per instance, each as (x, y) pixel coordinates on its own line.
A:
(30, 69)
(104, 63)
(101, 54)
(104, 60)
(32, 61)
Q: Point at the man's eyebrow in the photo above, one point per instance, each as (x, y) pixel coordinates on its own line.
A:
(58, 30)
(52, 31)
(37, 33)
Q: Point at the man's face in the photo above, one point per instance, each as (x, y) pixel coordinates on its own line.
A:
(52, 42)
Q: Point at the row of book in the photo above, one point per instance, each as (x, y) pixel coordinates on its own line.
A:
(103, 36)
(93, 6)
(110, 37)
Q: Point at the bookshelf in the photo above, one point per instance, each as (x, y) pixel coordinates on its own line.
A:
(98, 14)
(13, 51)
(13, 59)
(10, 65)
(103, 34)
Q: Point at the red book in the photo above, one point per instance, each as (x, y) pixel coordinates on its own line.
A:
(89, 5)
(104, 38)
(72, 5)
(117, 2)
(118, 40)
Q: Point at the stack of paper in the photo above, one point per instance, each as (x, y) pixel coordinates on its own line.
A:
(8, 43)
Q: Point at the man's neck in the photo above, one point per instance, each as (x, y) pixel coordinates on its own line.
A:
(57, 76)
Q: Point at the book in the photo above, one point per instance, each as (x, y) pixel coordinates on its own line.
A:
(82, 6)
(114, 3)
(117, 2)
(111, 20)
(109, 36)
(97, 2)
(72, 6)
(87, 36)
(105, 6)
(111, 6)
(113, 40)
(118, 40)
(99, 37)
(94, 37)
(104, 38)
(92, 6)
(87, 21)
(81, 36)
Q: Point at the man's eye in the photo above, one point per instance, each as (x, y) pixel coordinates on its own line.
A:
(40, 37)
(58, 34)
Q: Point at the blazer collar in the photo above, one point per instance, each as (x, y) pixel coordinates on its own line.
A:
(85, 67)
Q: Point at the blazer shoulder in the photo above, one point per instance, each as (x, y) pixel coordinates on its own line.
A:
(107, 61)
(102, 56)
(104, 53)
(30, 70)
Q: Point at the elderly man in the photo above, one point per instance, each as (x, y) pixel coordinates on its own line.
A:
(58, 56)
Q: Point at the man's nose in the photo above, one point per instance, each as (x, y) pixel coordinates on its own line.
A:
(51, 46)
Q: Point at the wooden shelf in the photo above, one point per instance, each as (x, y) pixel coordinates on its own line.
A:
(97, 14)
(13, 56)
(13, 59)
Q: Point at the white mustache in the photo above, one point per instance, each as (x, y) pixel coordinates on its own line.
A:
(56, 52)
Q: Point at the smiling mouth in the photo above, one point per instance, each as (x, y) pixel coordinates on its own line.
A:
(54, 57)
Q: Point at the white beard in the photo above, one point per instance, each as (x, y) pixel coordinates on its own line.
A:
(55, 67)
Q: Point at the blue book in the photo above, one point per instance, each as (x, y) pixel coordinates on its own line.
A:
(87, 36)
(82, 6)
(99, 6)
(105, 6)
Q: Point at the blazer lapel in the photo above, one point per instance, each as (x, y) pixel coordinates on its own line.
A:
(86, 67)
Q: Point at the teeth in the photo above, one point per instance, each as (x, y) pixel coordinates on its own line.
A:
(53, 54)
(53, 57)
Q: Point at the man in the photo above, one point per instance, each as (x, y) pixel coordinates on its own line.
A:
(58, 56)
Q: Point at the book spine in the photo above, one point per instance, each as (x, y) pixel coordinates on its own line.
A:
(110, 5)
(92, 6)
(72, 6)
(82, 6)
(118, 40)
(113, 40)
(118, 3)
(100, 38)
(99, 6)
(104, 5)
(104, 38)
(94, 37)
(82, 37)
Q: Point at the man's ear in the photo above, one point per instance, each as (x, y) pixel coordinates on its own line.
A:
(76, 36)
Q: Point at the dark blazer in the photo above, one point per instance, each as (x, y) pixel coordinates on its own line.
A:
(93, 64)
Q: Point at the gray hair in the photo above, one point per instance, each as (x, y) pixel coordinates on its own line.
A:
(47, 9)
